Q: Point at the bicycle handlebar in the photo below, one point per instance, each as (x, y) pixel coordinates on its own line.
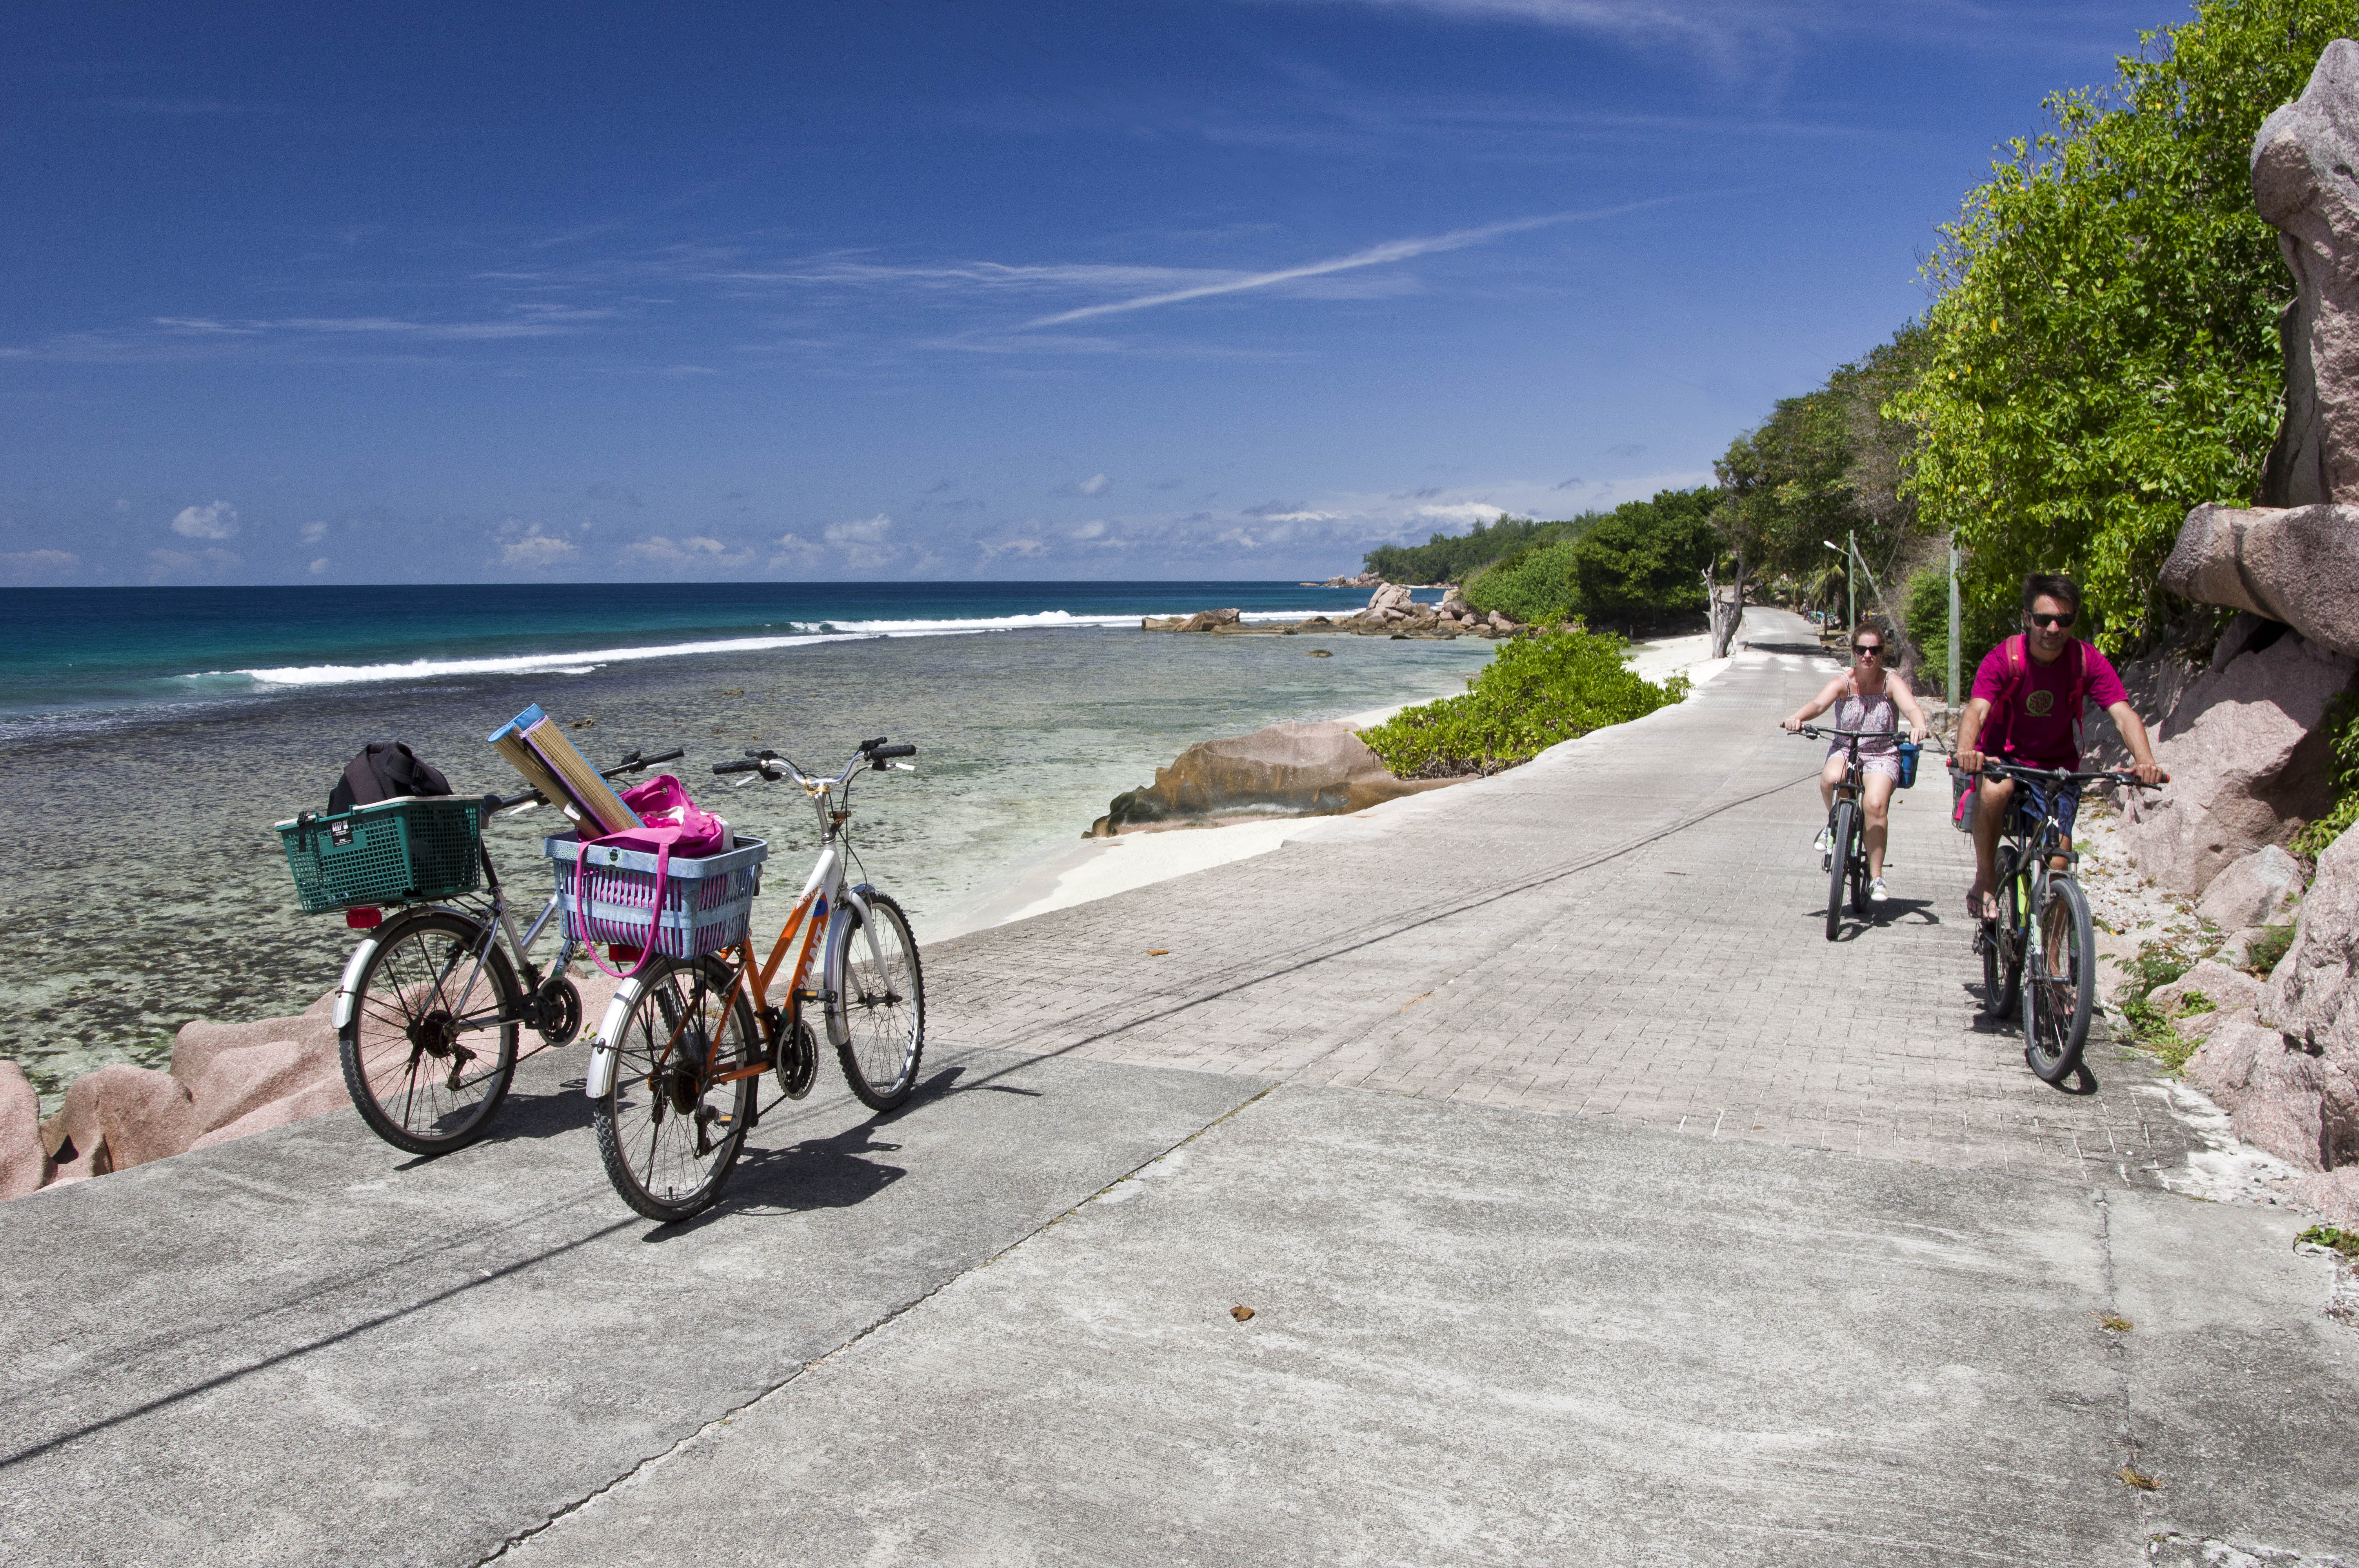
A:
(875, 754)
(2059, 775)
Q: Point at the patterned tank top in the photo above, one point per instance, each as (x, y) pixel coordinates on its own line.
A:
(1854, 711)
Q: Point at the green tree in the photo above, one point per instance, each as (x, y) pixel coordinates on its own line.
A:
(1643, 566)
(2103, 353)
(1455, 557)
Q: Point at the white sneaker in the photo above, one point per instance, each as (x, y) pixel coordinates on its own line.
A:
(1875, 894)
(1819, 843)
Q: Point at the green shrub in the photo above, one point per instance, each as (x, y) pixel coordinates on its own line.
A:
(2152, 1031)
(1536, 692)
(1926, 616)
(2342, 727)
(1640, 571)
(1531, 585)
(2268, 949)
(2344, 1241)
(2196, 1002)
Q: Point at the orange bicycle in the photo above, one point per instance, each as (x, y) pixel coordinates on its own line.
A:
(675, 1070)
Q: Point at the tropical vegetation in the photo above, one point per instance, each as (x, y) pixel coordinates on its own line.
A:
(1539, 690)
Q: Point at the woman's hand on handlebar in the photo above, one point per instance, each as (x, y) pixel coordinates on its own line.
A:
(1791, 724)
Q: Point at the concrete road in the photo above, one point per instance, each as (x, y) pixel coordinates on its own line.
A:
(1590, 1206)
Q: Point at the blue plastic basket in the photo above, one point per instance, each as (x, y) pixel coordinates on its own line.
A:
(707, 902)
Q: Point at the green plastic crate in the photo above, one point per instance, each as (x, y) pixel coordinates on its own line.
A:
(408, 850)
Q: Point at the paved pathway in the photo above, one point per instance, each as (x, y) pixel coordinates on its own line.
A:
(1592, 1208)
(1632, 926)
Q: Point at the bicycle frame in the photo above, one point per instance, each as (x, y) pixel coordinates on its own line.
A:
(502, 924)
(824, 890)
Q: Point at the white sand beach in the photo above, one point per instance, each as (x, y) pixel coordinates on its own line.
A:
(1092, 868)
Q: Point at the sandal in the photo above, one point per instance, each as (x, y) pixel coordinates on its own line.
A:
(1982, 905)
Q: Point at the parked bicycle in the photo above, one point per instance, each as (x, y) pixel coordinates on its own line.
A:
(434, 1000)
(1846, 858)
(675, 1069)
(2039, 956)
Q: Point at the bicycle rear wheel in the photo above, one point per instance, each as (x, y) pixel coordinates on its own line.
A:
(669, 1127)
(878, 1014)
(431, 1042)
(2061, 983)
(2003, 945)
(1845, 824)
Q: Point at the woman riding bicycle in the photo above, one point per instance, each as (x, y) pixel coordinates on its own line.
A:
(2029, 697)
(1866, 697)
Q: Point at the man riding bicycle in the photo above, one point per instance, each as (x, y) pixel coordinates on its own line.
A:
(2028, 700)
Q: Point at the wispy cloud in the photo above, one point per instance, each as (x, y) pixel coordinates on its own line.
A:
(1386, 253)
(1096, 484)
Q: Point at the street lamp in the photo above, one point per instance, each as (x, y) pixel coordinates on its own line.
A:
(1851, 592)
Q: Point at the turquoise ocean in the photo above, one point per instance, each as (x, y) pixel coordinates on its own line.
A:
(150, 737)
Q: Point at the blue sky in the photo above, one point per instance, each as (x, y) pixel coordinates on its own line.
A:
(1131, 288)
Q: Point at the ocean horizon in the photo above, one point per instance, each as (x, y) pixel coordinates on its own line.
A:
(83, 655)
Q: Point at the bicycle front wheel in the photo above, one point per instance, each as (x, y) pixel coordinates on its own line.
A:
(1845, 823)
(878, 1012)
(2060, 982)
(432, 1044)
(671, 1123)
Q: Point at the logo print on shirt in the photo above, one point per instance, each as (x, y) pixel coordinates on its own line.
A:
(2038, 703)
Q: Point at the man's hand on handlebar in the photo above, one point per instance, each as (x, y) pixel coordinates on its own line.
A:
(2151, 774)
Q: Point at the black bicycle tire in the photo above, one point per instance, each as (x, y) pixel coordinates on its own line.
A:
(2056, 1030)
(353, 1054)
(617, 1146)
(1839, 863)
(896, 1092)
(1859, 864)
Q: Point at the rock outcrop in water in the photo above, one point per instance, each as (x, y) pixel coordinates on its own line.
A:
(1392, 611)
(1285, 770)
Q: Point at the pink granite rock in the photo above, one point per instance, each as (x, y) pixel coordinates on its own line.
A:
(2281, 1096)
(2301, 163)
(201, 1040)
(24, 1163)
(237, 1082)
(318, 1098)
(2229, 990)
(120, 1116)
(2296, 566)
(2333, 1195)
(2244, 770)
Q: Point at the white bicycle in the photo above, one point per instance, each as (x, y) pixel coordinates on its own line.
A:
(675, 1070)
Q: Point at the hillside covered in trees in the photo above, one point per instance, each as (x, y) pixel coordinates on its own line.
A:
(2101, 356)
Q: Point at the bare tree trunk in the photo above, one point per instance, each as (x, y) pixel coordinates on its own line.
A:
(1727, 608)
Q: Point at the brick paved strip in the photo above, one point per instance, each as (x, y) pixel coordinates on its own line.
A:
(1631, 925)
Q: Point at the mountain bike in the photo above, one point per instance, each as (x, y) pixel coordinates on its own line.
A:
(1845, 860)
(2039, 956)
(675, 1069)
(430, 1006)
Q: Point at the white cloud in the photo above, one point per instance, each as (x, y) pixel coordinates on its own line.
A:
(1096, 484)
(32, 563)
(662, 551)
(1025, 548)
(218, 521)
(537, 550)
(312, 533)
(319, 566)
(862, 541)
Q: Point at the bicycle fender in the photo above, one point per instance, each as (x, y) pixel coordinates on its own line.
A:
(602, 1049)
(839, 942)
(348, 989)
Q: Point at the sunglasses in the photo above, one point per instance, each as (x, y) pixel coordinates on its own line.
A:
(2047, 621)
(1864, 649)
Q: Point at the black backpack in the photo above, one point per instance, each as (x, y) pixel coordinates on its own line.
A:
(383, 770)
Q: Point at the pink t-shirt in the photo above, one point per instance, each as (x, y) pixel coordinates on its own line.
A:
(2036, 728)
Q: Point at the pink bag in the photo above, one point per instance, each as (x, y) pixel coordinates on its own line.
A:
(669, 821)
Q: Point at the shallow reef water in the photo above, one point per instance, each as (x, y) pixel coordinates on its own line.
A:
(149, 887)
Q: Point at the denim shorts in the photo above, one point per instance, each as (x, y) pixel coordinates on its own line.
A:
(2032, 801)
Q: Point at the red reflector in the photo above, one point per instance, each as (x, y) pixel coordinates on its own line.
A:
(363, 919)
(621, 954)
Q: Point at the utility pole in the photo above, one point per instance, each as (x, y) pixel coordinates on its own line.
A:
(1851, 578)
(1954, 693)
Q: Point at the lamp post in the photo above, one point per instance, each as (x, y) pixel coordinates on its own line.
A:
(1953, 621)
